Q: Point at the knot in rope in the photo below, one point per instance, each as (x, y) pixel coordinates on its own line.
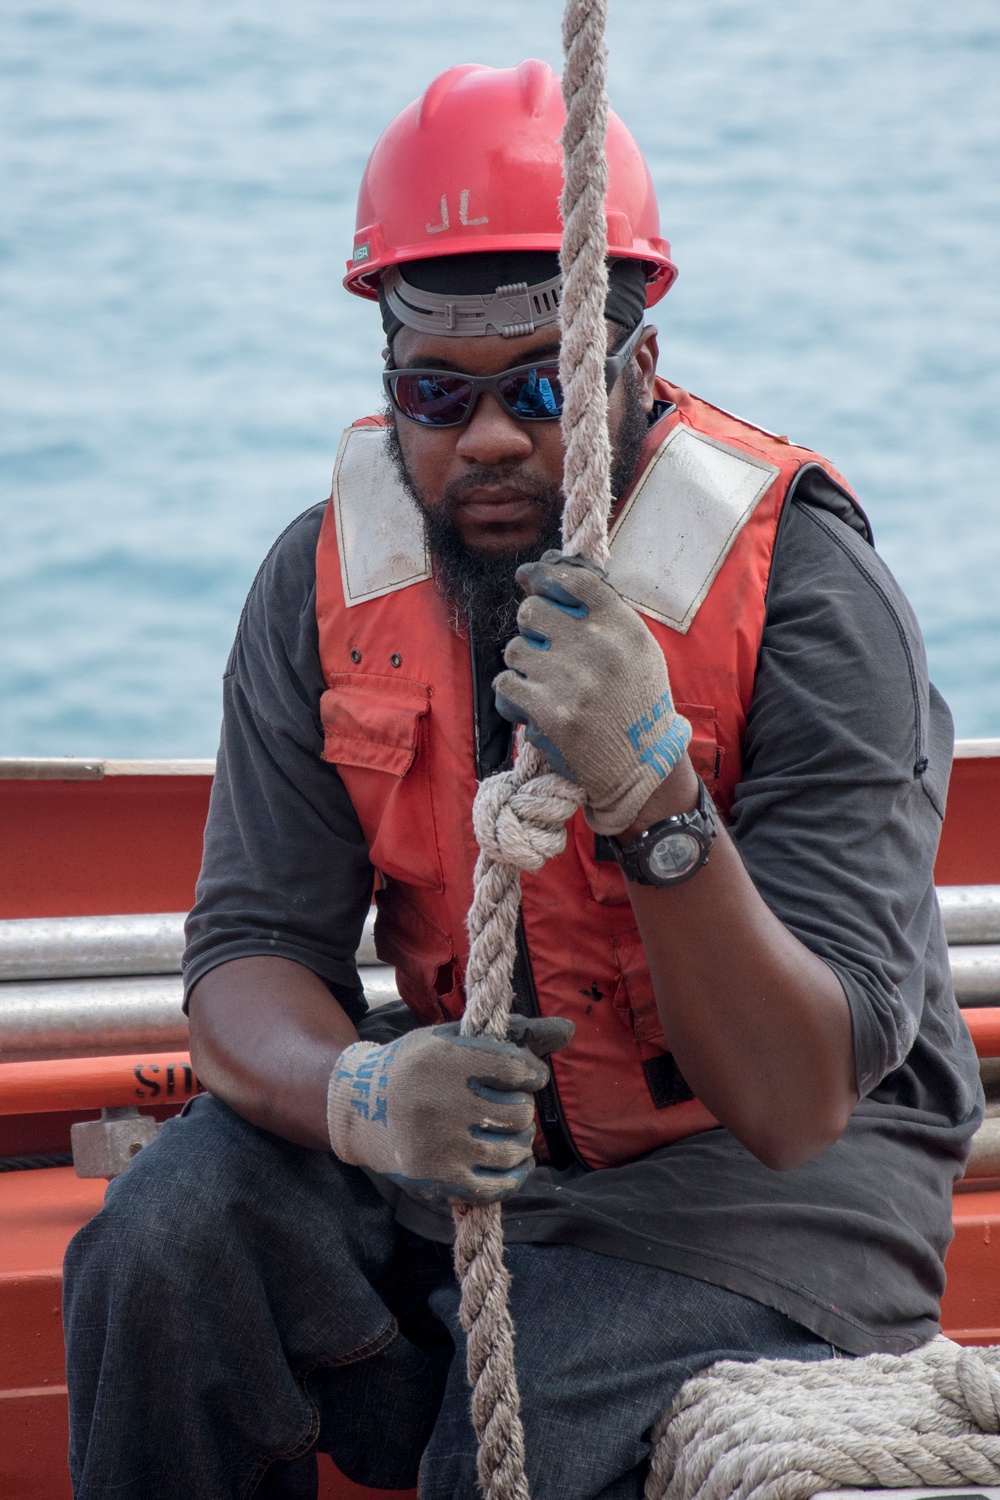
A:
(524, 823)
(519, 816)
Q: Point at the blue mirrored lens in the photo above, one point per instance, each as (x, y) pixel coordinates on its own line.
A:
(435, 401)
(534, 395)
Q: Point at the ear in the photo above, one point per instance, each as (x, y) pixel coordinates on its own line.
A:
(646, 354)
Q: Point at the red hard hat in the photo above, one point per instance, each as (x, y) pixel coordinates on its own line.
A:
(476, 165)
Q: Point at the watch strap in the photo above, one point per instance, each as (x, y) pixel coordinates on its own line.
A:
(702, 821)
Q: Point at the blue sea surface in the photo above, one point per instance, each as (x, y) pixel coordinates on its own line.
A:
(177, 357)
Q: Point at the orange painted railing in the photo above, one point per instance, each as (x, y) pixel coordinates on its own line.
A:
(82, 1083)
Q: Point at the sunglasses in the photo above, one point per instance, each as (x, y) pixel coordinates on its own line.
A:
(530, 393)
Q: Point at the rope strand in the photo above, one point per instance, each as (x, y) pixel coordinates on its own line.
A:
(587, 465)
(520, 815)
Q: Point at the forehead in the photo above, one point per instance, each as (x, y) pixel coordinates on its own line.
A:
(475, 356)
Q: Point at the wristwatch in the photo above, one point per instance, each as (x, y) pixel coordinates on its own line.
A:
(672, 851)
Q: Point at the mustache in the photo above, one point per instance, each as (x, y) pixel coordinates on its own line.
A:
(508, 478)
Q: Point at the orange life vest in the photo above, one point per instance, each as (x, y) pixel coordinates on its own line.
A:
(691, 548)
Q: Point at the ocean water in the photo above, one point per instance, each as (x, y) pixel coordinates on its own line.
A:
(177, 357)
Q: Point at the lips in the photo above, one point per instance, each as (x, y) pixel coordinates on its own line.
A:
(499, 507)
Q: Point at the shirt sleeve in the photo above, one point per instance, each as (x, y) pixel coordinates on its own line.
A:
(846, 760)
(285, 871)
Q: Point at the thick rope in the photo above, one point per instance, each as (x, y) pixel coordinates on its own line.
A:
(786, 1429)
(520, 815)
(770, 1430)
(519, 819)
(587, 466)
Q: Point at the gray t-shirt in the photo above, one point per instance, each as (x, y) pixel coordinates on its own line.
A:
(837, 818)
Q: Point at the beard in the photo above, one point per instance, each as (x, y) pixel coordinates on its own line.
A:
(479, 586)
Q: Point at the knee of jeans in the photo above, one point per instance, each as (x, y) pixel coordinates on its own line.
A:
(174, 1199)
(208, 1145)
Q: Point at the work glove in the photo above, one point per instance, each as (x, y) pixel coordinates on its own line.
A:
(450, 1117)
(589, 682)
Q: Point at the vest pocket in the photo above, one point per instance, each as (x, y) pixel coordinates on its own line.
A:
(375, 731)
(421, 952)
(604, 876)
(372, 722)
(635, 1003)
(633, 998)
(705, 751)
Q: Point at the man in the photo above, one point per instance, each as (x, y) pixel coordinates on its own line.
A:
(746, 1141)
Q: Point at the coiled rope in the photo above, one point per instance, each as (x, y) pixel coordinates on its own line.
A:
(520, 816)
(774, 1429)
(783, 1429)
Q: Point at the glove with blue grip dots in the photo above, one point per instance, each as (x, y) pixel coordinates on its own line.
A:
(450, 1117)
(590, 684)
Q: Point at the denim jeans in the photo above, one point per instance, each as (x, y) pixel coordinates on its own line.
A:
(241, 1303)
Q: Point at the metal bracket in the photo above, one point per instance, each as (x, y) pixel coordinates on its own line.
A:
(106, 1147)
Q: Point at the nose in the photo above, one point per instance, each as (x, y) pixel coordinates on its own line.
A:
(492, 435)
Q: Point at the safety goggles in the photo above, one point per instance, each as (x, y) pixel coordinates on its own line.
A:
(530, 393)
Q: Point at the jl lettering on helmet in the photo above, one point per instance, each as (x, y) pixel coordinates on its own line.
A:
(463, 213)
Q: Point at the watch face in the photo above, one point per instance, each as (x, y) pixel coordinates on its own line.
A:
(674, 855)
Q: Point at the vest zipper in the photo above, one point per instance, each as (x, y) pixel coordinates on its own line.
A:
(559, 1143)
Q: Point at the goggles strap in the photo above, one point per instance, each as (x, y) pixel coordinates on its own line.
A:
(511, 311)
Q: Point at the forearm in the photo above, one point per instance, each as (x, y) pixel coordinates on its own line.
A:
(759, 1026)
(265, 1035)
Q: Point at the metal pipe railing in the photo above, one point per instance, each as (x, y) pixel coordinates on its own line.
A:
(91, 947)
(79, 1017)
(975, 973)
(63, 1017)
(971, 913)
(84, 985)
(984, 1158)
(101, 947)
(94, 947)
